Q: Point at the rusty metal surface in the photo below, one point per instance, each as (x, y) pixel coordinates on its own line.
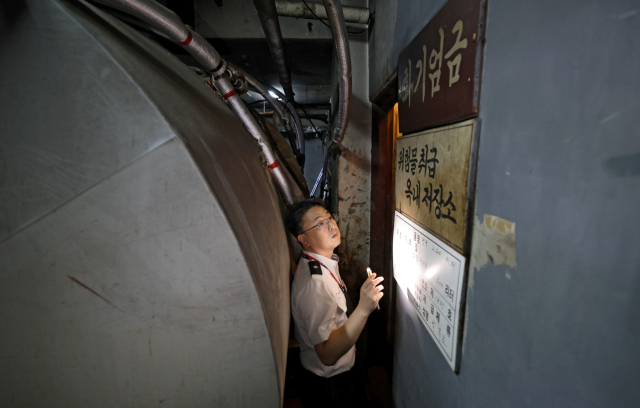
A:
(439, 72)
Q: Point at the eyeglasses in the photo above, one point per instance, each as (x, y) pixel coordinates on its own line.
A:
(324, 224)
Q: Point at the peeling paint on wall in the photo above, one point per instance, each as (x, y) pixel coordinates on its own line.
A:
(493, 242)
(353, 190)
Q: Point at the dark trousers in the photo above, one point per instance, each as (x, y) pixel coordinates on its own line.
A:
(342, 390)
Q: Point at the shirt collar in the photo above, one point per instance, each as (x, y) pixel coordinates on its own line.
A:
(329, 262)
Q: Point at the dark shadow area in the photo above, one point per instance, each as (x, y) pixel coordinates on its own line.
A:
(10, 13)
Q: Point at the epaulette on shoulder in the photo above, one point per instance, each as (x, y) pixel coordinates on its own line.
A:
(314, 268)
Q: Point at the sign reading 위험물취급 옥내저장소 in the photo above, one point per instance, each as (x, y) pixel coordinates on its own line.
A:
(434, 173)
(439, 71)
(431, 274)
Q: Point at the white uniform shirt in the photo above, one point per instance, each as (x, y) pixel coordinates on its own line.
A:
(319, 308)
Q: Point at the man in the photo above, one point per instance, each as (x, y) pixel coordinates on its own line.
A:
(326, 330)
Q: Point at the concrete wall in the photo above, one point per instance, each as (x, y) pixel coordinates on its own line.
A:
(239, 19)
(397, 23)
(559, 156)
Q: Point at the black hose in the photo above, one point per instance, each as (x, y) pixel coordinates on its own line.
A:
(339, 30)
(297, 124)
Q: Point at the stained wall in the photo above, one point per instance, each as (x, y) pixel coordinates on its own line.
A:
(560, 157)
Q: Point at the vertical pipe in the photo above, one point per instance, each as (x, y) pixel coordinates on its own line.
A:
(269, 19)
(339, 30)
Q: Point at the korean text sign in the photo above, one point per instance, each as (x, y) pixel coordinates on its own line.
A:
(439, 71)
(431, 275)
(432, 182)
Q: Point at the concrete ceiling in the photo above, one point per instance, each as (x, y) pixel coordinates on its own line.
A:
(235, 30)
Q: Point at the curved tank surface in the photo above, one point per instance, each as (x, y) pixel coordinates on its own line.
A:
(143, 258)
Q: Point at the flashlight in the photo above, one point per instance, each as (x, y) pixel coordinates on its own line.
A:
(369, 273)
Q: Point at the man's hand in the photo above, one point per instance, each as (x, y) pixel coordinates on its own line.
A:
(371, 293)
(342, 339)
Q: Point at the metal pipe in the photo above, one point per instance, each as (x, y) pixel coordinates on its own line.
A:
(339, 30)
(269, 19)
(132, 21)
(262, 90)
(294, 114)
(293, 132)
(298, 9)
(167, 22)
(289, 124)
(298, 127)
(291, 119)
(224, 86)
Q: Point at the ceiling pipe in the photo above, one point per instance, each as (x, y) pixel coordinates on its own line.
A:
(293, 125)
(298, 9)
(271, 26)
(167, 22)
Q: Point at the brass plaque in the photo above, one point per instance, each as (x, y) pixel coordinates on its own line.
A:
(435, 177)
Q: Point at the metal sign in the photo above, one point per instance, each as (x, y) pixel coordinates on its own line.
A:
(435, 170)
(439, 71)
(432, 276)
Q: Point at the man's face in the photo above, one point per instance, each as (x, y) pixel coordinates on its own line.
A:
(315, 240)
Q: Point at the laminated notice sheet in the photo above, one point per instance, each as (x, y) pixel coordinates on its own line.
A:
(431, 274)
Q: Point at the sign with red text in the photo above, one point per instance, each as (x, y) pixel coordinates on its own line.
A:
(435, 170)
(439, 71)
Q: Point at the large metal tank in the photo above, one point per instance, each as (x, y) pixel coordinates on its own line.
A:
(143, 259)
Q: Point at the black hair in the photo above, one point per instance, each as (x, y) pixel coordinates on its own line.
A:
(293, 217)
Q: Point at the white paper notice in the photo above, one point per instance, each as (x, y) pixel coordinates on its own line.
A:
(431, 274)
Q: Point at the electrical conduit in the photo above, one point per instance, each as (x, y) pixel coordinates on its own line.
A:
(167, 22)
(339, 30)
(270, 24)
(291, 120)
